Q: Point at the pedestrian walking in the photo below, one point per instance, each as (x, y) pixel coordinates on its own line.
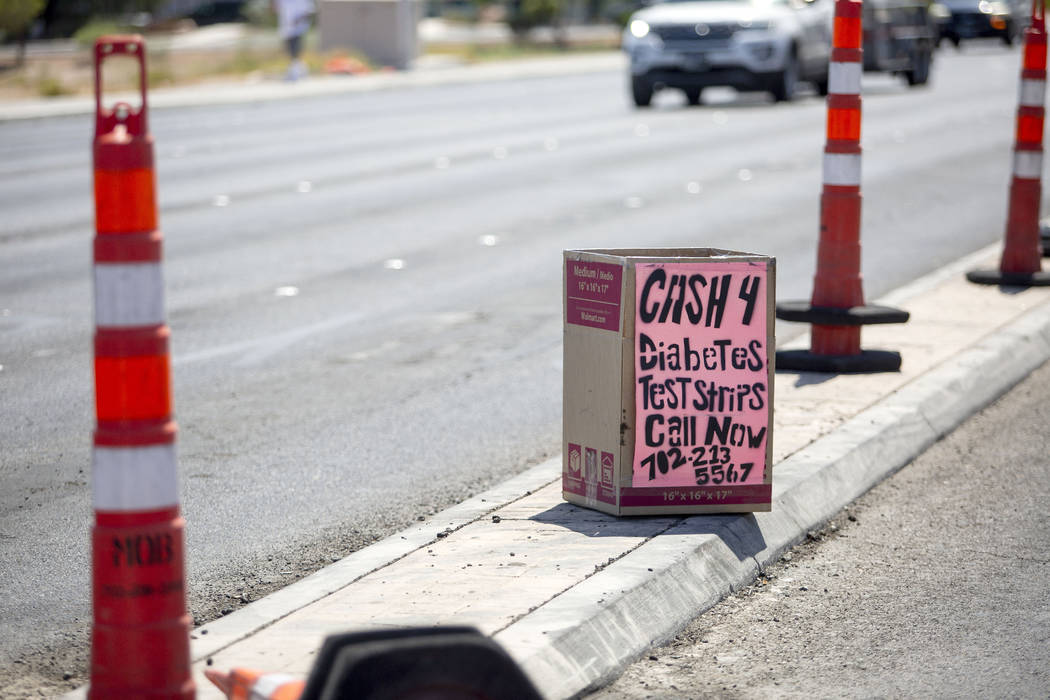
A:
(293, 21)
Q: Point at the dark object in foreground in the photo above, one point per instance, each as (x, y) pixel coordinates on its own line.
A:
(450, 663)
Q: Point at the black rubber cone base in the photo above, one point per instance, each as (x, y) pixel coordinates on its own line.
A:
(866, 361)
(1009, 279)
(452, 663)
(869, 314)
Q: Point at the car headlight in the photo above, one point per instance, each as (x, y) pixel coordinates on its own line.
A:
(939, 11)
(993, 8)
(639, 28)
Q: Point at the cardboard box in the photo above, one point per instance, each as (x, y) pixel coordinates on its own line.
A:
(668, 380)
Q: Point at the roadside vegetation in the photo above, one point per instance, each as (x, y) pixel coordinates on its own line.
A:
(251, 50)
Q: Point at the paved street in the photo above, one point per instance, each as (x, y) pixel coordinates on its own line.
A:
(364, 292)
(932, 585)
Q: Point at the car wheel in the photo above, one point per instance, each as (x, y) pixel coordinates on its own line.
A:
(919, 73)
(692, 95)
(821, 84)
(786, 81)
(641, 91)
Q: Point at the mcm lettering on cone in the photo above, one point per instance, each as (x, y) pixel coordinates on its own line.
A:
(140, 631)
(1021, 261)
(837, 309)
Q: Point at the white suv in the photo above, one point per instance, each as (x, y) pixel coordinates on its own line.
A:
(746, 44)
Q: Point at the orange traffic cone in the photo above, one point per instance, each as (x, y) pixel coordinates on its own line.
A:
(1021, 261)
(837, 309)
(140, 631)
(246, 684)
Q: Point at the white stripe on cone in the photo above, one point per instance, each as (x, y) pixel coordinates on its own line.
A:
(134, 478)
(842, 169)
(129, 294)
(1033, 93)
(268, 683)
(1028, 164)
(844, 78)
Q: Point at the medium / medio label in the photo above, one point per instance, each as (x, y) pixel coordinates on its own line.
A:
(593, 294)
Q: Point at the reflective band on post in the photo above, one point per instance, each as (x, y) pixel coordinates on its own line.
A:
(129, 295)
(844, 78)
(1028, 164)
(842, 169)
(1033, 93)
(848, 33)
(1034, 53)
(134, 478)
(132, 388)
(125, 201)
(843, 124)
(1030, 125)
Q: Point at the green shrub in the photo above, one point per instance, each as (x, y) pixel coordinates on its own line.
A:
(49, 86)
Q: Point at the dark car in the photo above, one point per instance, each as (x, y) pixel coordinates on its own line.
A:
(977, 19)
(899, 37)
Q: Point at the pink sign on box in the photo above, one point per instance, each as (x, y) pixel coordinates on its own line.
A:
(701, 373)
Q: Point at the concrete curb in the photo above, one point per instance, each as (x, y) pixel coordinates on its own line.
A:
(585, 637)
(242, 623)
(214, 636)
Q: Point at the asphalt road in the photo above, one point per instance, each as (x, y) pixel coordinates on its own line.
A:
(364, 293)
(933, 585)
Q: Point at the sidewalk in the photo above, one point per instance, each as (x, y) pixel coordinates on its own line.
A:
(574, 595)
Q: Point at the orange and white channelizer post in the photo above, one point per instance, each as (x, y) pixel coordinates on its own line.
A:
(140, 632)
(837, 282)
(836, 308)
(248, 684)
(1021, 261)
